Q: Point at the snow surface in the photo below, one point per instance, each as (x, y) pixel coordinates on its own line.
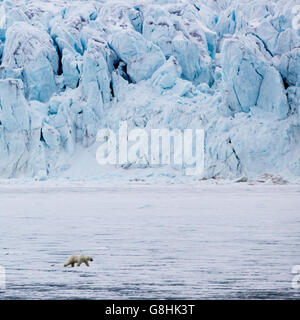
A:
(150, 242)
(69, 68)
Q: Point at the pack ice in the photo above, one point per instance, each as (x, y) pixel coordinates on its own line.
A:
(69, 68)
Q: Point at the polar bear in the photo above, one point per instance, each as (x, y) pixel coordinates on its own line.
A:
(79, 259)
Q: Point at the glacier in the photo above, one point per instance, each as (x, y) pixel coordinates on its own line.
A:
(70, 68)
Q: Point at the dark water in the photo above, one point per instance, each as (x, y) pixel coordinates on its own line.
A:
(150, 242)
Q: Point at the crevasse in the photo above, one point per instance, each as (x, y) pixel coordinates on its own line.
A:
(70, 68)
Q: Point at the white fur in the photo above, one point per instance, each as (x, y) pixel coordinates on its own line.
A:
(79, 259)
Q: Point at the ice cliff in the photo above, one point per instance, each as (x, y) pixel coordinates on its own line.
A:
(69, 68)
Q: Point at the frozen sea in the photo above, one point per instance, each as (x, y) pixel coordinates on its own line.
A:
(147, 241)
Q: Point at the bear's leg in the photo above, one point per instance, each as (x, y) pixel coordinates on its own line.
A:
(78, 264)
(86, 263)
(67, 264)
(72, 265)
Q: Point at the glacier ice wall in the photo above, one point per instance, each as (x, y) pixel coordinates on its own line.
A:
(69, 68)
